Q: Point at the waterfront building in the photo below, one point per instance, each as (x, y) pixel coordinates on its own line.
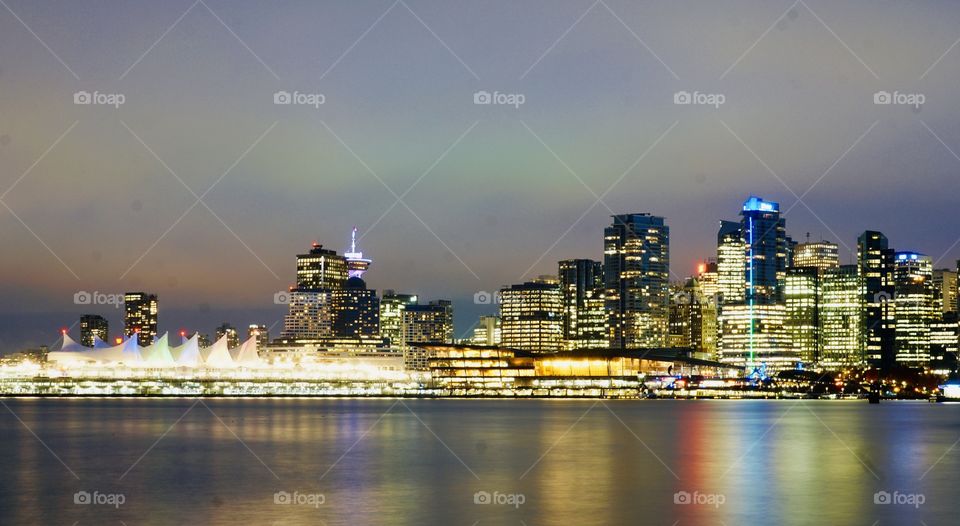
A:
(839, 318)
(91, 326)
(392, 307)
(225, 329)
(731, 263)
(945, 339)
(309, 316)
(877, 330)
(636, 270)
(913, 307)
(581, 288)
(140, 312)
(680, 321)
(531, 316)
(430, 323)
(945, 291)
(752, 336)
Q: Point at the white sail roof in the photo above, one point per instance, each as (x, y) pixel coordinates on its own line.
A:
(188, 353)
(98, 343)
(158, 354)
(218, 355)
(246, 355)
(127, 352)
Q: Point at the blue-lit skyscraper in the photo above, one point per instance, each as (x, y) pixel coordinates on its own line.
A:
(764, 233)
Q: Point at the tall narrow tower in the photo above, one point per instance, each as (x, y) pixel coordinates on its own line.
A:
(356, 263)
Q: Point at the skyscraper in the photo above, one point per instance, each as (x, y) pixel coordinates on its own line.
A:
(914, 310)
(531, 316)
(636, 270)
(392, 307)
(321, 269)
(839, 317)
(140, 316)
(580, 281)
(430, 323)
(875, 266)
(356, 311)
(731, 263)
(93, 325)
(753, 330)
(945, 290)
(818, 254)
(802, 296)
(310, 304)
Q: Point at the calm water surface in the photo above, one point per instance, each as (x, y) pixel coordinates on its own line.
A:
(226, 461)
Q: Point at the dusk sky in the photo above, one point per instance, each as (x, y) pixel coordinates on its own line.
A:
(105, 199)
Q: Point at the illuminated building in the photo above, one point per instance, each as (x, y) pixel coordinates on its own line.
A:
(487, 331)
(802, 297)
(93, 325)
(753, 331)
(875, 265)
(233, 338)
(839, 316)
(321, 269)
(356, 263)
(356, 311)
(817, 254)
(392, 307)
(310, 315)
(580, 281)
(707, 294)
(913, 307)
(708, 279)
(592, 321)
(636, 270)
(680, 321)
(945, 338)
(531, 316)
(261, 333)
(731, 263)
(140, 316)
(431, 323)
(945, 290)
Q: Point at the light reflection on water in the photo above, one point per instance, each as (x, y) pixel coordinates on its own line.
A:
(422, 461)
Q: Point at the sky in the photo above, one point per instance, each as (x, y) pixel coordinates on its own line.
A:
(202, 189)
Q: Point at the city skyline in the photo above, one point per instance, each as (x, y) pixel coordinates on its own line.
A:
(297, 172)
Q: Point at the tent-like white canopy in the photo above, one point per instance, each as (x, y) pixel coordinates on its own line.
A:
(159, 354)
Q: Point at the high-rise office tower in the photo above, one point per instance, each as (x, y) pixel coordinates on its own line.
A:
(233, 338)
(802, 296)
(680, 321)
(579, 279)
(93, 325)
(753, 331)
(731, 263)
(531, 317)
(875, 266)
(914, 310)
(430, 323)
(260, 332)
(945, 290)
(818, 254)
(356, 311)
(636, 270)
(321, 269)
(140, 316)
(839, 317)
(392, 307)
